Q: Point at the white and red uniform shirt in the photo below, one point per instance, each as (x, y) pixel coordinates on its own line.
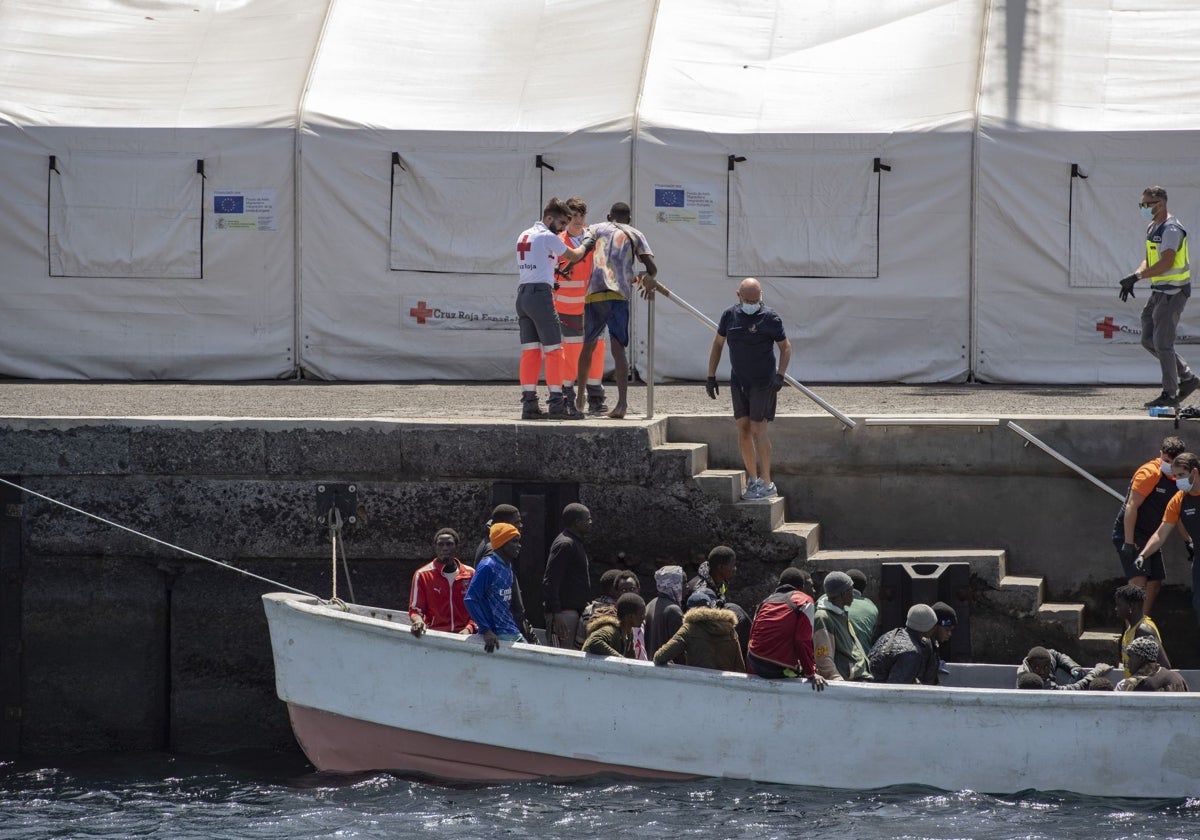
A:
(537, 255)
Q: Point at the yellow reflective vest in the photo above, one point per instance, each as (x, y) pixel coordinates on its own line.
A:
(1180, 272)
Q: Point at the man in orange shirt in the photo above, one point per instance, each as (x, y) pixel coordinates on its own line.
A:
(1151, 488)
(570, 289)
(435, 600)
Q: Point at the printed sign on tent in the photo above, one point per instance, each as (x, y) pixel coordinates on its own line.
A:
(442, 312)
(244, 210)
(676, 204)
(1100, 326)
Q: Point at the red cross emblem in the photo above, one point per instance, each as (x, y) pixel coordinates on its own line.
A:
(421, 311)
(523, 247)
(1107, 327)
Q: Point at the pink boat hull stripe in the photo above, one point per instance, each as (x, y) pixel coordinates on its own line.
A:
(337, 743)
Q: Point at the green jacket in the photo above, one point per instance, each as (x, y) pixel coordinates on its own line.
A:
(708, 639)
(605, 638)
(840, 655)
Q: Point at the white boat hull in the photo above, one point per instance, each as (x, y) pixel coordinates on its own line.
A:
(365, 694)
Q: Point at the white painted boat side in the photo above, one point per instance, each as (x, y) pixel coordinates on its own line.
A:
(689, 721)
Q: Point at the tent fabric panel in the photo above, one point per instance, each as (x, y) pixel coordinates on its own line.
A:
(804, 215)
(462, 65)
(1032, 325)
(910, 324)
(125, 216)
(346, 277)
(237, 323)
(454, 211)
(825, 66)
(123, 63)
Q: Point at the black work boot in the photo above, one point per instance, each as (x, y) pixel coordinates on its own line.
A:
(595, 400)
(530, 410)
(557, 407)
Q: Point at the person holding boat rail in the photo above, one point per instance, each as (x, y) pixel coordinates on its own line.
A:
(489, 595)
(781, 637)
(435, 599)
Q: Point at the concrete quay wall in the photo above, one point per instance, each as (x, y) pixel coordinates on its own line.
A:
(122, 643)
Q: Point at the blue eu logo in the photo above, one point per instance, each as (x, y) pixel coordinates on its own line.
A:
(229, 204)
(668, 198)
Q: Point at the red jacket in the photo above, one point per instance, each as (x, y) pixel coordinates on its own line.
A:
(782, 631)
(430, 598)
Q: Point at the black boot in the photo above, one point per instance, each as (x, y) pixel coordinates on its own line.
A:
(530, 410)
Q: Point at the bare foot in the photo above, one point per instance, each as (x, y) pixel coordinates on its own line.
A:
(618, 413)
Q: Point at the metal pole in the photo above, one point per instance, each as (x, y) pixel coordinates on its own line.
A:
(1062, 459)
(708, 322)
(650, 357)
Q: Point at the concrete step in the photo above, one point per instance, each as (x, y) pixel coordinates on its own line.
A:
(766, 514)
(805, 536)
(725, 485)
(686, 459)
(1017, 592)
(1070, 616)
(1101, 646)
(986, 564)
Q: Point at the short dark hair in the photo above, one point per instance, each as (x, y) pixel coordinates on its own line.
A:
(626, 574)
(1173, 447)
(722, 555)
(574, 513)
(1131, 593)
(577, 205)
(791, 576)
(859, 578)
(1039, 654)
(1030, 680)
(620, 212)
(556, 207)
(608, 580)
(630, 603)
(1186, 461)
(1155, 192)
(505, 513)
(1100, 684)
(450, 532)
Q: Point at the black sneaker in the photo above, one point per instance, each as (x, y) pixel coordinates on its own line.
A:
(1188, 387)
(1164, 400)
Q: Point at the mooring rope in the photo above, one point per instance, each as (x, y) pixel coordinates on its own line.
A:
(178, 548)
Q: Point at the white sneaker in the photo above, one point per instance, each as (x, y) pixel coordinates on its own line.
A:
(752, 489)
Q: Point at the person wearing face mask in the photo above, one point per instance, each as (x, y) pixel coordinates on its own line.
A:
(1183, 510)
(1166, 267)
(538, 253)
(1152, 487)
(752, 331)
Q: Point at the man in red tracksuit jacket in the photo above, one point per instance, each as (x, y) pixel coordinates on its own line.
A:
(781, 637)
(435, 600)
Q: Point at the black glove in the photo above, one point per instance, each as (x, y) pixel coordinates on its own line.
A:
(1191, 550)
(710, 388)
(777, 382)
(1127, 287)
(1127, 551)
(589, 242)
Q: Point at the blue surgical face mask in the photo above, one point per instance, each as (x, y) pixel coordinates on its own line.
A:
(1184, 484)
(1165, 466)
(1147, 213)
(751, 308)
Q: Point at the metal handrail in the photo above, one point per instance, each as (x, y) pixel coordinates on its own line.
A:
(708, 322)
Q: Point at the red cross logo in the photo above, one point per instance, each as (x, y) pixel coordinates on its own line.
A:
(523, 247)
(421, 311)
(1107, 327)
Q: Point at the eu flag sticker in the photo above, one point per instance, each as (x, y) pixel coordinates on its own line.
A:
(668, 198)
(232, 204)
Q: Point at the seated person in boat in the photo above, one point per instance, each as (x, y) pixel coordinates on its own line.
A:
(435, 599)
(1045, 664)
(1130, 600)
(612, 634)
(1100, 684)
(706, 639)
(781, 636)
(613, 584)
(864, 615)
(1030, 681)
(716, 573)
(940, 639)
(839, 654)
(489, 595)
(664, 613)
(904, 656)
(1148, 674)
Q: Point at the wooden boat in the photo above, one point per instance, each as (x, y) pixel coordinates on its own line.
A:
(363, 694)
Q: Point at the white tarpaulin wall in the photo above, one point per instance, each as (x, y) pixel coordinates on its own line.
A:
(926, 188)
(1084, 103)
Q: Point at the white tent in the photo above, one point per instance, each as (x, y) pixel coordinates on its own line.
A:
(928, 189)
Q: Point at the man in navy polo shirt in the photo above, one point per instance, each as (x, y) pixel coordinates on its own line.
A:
(752, 331)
